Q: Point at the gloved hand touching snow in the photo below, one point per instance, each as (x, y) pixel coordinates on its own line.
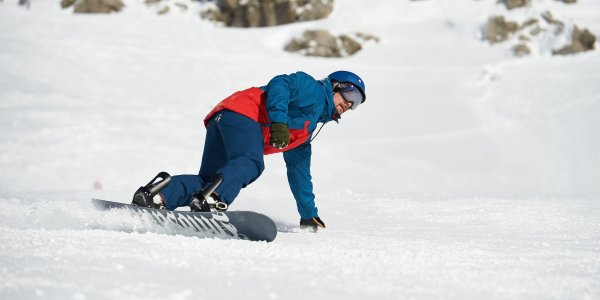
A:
(312, 224)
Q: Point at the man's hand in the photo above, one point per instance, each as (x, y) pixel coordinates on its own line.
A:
(280, 135)
(312, 224)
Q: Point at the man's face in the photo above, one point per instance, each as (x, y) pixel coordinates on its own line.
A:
(341, 105)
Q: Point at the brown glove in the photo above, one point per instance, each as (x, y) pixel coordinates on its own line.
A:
(280, 135)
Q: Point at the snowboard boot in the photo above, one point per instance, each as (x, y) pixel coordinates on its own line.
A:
(146, 196)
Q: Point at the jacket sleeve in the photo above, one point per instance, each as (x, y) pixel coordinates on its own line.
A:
(288, 90)
(280, 90)
(297, 162)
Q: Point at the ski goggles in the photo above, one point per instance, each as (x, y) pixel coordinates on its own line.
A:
(351, 94)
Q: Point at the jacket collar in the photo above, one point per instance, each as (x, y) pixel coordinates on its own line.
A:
(329, 112)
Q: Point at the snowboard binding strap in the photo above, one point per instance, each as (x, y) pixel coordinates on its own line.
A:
(144, 196)
(156, 187)
(205, 201)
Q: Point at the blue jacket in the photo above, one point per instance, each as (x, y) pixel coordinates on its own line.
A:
(295, 99)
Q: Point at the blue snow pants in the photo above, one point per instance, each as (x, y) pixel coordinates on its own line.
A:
(233, 148)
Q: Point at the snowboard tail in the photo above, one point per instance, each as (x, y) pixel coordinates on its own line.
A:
(244, 225)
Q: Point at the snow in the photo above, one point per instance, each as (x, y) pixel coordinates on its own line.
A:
(467, 174)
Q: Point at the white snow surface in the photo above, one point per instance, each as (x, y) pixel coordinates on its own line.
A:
(467, 174)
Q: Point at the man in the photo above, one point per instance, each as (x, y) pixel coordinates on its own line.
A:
(278, 117)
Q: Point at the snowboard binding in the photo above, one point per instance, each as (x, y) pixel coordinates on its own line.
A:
(207, 200)
(144, 196)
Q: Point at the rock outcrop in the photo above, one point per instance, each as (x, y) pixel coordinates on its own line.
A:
(512, 4)
(261, 13)
(498, 29)
(94, 6)
(581, 41)
(324, 44)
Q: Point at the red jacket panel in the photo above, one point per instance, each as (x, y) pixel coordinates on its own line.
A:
(252, 104)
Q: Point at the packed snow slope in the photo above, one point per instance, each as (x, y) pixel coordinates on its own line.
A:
(467, 174)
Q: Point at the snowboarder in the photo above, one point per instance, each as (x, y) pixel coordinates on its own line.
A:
(278, 117)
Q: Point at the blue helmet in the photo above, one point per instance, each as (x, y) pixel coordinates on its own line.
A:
(344, 81)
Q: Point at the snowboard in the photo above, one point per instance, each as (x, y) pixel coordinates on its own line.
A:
(243, 225)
